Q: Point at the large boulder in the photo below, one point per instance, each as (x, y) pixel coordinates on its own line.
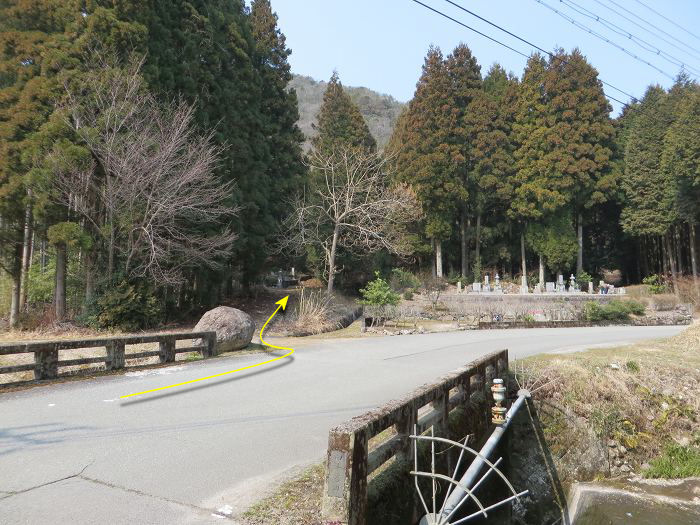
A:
(234, 328)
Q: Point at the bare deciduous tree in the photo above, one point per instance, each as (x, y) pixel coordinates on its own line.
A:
(154, 194)
(350, 204)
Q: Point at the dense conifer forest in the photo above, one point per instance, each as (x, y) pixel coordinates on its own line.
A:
(153, 163)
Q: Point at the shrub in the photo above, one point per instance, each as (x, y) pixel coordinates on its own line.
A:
(379, 293)
(477, 270)
(129, 306)
(613, 311)
(402, 280)
(654, 284)
(455, 277)
(433, 287)
(583, 278)
(408, 295)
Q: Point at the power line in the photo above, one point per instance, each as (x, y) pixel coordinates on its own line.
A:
(602, 37)
(470, 28)
(692, 50)
(549, 53)
(647, 30)
(647, 46)
(667, 19)
(444, 15)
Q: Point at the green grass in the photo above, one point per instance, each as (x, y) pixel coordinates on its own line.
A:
(675, 462)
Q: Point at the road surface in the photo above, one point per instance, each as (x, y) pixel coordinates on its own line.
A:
(73, 453)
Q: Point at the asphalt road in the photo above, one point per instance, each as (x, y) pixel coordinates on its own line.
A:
(73, 453)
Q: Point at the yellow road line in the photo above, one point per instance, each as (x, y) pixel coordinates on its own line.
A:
(291, 351)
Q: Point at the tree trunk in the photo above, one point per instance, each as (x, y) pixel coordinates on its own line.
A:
(664, 256)
(679, 256)
(110, 256)
(60, 289)
(14, 305)
(693, 256)
(671, 262)
(579, 259)
(26, 255)
(463, 239)
(438, 258)
(89, 277)
(42, 255)
(331, 259)
(541, 271)
(643, 258)
(477, 249)
(523, 269)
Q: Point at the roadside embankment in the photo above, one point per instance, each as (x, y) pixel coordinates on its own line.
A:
(627, 412)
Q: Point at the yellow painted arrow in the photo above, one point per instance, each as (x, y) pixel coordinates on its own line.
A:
(282, 304)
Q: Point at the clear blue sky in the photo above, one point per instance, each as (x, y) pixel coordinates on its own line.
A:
(381, 44)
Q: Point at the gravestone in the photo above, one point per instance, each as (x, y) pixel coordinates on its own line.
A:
(476, 287)
(590, 287)
(497, 284)
(459, 286)
(523, 285)
(550, 287)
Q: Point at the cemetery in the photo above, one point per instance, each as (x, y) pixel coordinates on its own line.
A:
(491, 304)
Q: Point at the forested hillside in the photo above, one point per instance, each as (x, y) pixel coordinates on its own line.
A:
(147, 150)
(380, 111)
(151, 166)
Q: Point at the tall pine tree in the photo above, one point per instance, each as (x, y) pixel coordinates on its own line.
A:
(426, 154)
(579, 135)
(340, 123)
(465, 77)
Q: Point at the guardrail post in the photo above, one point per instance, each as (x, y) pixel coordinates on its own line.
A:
(46, 361)
(210, 342)
(404, 428)
(345, 494)
(166, 347)
(115, 355)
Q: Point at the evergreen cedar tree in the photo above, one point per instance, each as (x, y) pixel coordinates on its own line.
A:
(541, 151)
(339, 122)
(541, 159)
(426, 146)
(647, 188)
(229, 60)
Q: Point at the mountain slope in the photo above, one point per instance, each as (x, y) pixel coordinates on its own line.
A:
(380, 111)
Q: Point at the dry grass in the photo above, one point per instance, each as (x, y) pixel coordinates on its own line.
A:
(313, 312)
(643, 396)
(297, 502)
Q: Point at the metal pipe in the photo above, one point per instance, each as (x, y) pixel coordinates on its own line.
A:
(472, 472)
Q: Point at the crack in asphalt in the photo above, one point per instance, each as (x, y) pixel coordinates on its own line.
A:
(79, 475)
(17, 492)
(141, 493)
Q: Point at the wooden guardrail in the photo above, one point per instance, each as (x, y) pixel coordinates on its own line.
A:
(350, 460)
(46, 353)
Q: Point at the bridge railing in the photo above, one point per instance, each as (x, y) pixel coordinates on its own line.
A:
(351, 457)
(47, 362)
